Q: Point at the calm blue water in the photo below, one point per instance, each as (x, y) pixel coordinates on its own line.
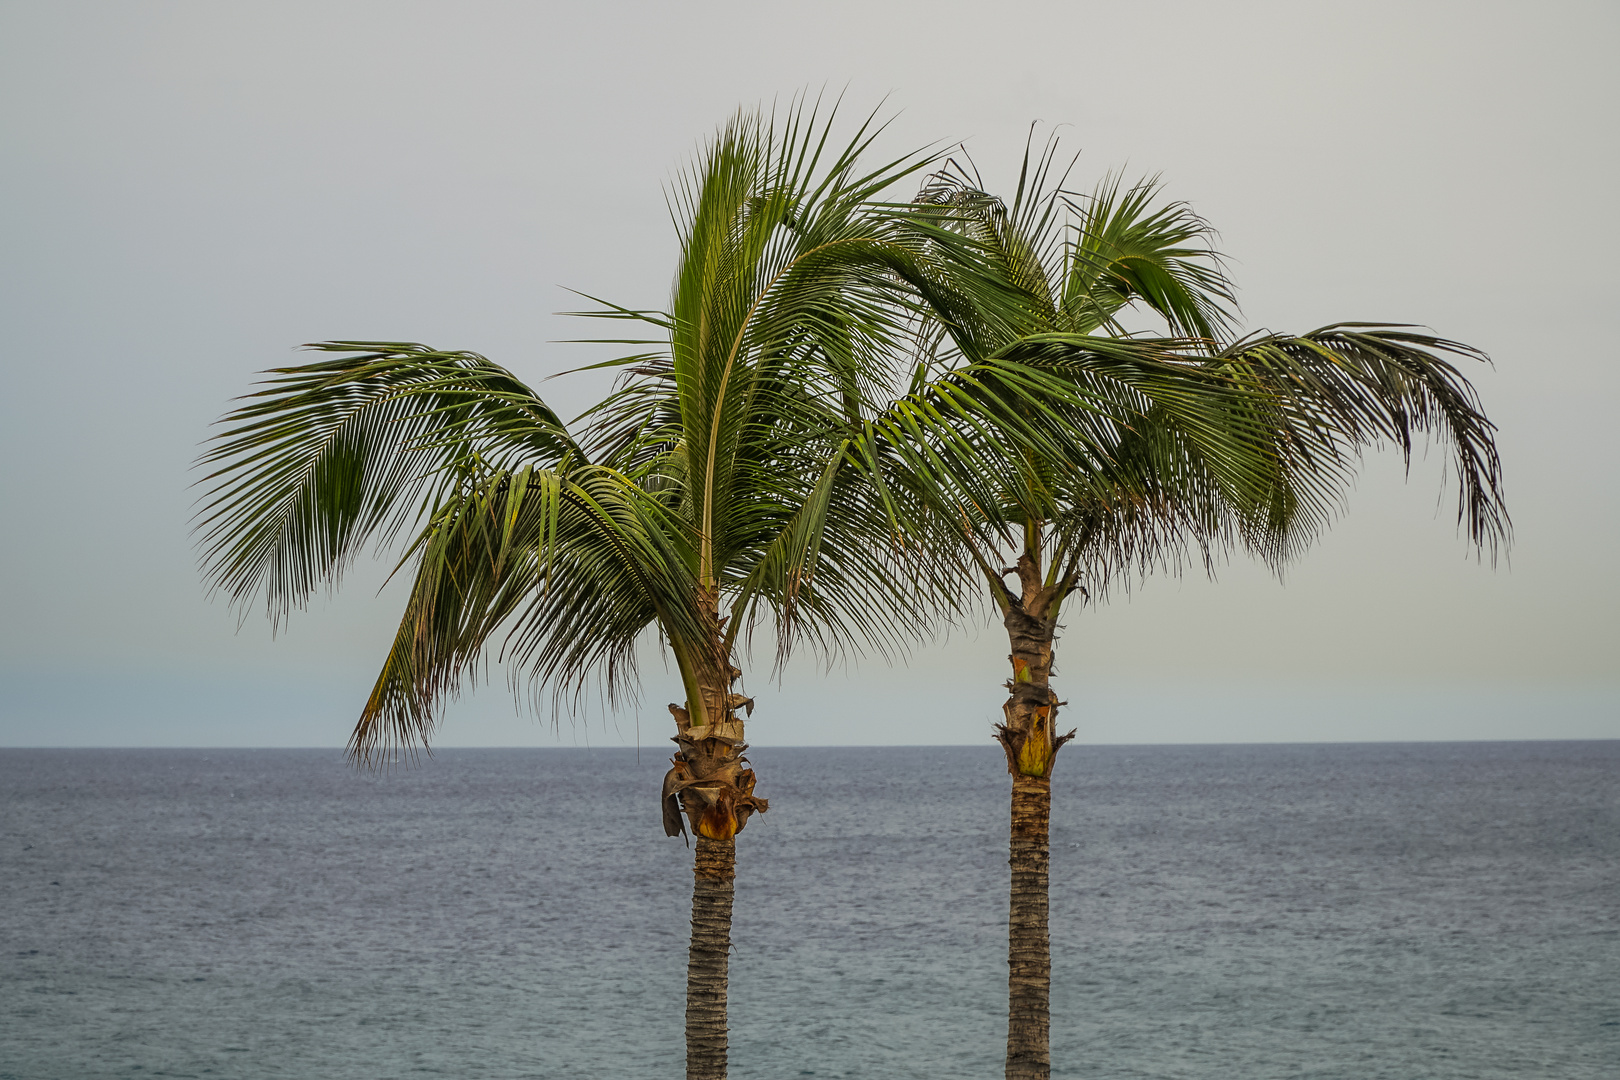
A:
(1401, 911)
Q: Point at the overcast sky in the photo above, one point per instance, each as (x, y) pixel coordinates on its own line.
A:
(192, 190)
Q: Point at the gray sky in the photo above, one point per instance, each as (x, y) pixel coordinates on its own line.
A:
(193, 189)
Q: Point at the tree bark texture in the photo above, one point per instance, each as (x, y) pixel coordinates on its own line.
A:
(1029, 952)
(1028, 735)
(707, 964)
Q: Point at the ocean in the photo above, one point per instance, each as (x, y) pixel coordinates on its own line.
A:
(1405, 911)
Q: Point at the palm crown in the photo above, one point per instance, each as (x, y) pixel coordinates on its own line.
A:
(710, 483)
(1222, 441)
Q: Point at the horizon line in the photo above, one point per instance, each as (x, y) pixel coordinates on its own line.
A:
(428, 752)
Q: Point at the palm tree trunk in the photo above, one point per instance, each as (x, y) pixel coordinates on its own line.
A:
(1028, 736)
(1029, 953)
(706, 971)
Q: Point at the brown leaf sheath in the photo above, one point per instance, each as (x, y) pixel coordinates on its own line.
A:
(1029, 733)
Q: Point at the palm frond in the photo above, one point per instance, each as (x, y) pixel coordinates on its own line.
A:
(566, 569)
(1352, 386)
(338, 451)
(1123, 249)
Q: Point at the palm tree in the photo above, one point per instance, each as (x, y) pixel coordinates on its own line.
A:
(740, 477)
(1046, 281)
(690, 516)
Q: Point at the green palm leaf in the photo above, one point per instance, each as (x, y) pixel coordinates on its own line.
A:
(335, 452)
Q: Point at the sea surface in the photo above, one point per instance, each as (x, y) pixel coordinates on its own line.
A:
(1403, 911)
